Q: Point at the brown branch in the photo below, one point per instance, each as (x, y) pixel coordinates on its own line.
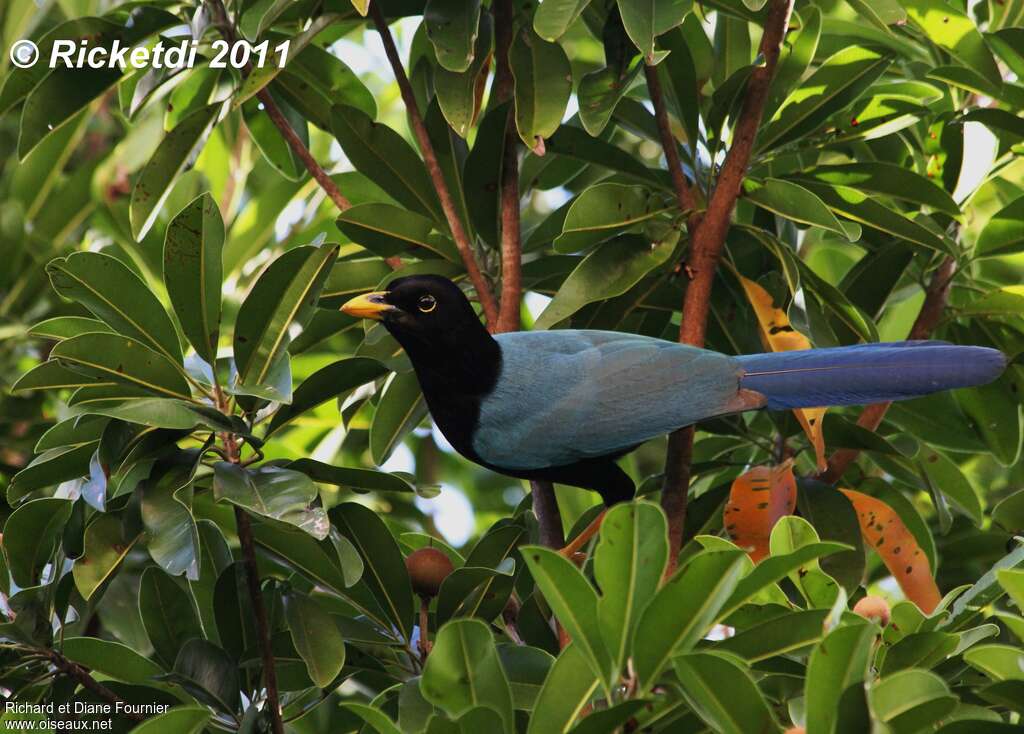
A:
(936, 296)
(476, 277)
(545, 507)
(684, 194)
(511, 242)
(220, 19)
(81, 675)
(252, 578)
(706, 244)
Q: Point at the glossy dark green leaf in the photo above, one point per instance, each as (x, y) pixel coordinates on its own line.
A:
(782, 635)
(157, 412)
(116, 295)
(889, 180)
(610, 270)
(386, 159)
(105, 548)
(645, 20)
(167, 614)
(840, 80)
(452, 28)
(63, 327)
(316, 638)
(604, 211)
(116, 358)
(572, 142)
(110, 658)
(629, 562)
(945, 476)
(159, 175)
(472, 591)
(676, 618)
(193, 272)
(464, 672)
(388, 230)
(567, 689)
(482, 173)
(285, 294)
(574, 603)
(1003, 235)
(996, 417)
(30, 536)
(600, 91)
(838, 663)
(354, 478)
(919, 650)
(214, 557)
(374, 718)
(400, 409)
(459, 93)
(51, 468)
(910, 700)
(72, 432)
(53, 375)
(385, 573)
(178, 720)
(723, 693)
(326, 384)
(543, 83)
(553, 18)
(269, 491)
(678, 74)
(206, 672)
(794, 202)
(166, 509)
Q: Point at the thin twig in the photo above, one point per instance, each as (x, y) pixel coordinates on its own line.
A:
(684, 194)
(81, 675)
(936, 296)
(706, 249)
(545, 507)
(476, 277)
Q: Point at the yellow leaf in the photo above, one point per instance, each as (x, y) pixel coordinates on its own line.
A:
(778, 335)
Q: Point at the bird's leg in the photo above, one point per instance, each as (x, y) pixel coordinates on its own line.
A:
(581, 540)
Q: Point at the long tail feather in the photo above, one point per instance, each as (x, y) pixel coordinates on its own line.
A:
(866, 373)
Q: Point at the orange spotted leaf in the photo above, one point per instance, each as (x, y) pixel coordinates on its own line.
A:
(778, 335)
(883, 529)
(757, 500)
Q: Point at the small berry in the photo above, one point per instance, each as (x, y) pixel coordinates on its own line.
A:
(427, 568)
(874, 608)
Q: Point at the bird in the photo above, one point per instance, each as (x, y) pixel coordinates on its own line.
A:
(564, 405)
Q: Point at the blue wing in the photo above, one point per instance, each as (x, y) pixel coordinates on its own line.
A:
(566, 395)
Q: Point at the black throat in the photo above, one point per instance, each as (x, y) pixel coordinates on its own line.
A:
(456, 371)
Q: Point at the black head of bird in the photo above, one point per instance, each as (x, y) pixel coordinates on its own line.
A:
(563, 405)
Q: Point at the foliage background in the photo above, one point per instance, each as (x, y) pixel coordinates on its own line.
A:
(887, 160)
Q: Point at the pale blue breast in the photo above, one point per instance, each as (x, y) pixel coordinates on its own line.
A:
(566, 395)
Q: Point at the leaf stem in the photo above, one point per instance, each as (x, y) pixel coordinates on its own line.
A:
(419, 129)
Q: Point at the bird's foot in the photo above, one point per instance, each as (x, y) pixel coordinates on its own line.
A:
(583, 538)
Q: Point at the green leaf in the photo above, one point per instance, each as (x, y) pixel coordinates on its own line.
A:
(118, 296)
(51, 468)
(207, 673)
(678, 74)
(782, 635)
(1008, 300)
(30, 537)
(110, 658)
(572, 142)
(919, 650)
(178, 720)
(269, 491)
(600, 91)
(852, 203)
(795, 57)
(911, 700)
(573, 601)
(999, 662)
(388, 230)
(327, 383)
(214, 557)
(838, 664)
(117, 358)
(1013, 582)
(459, 93)
(543, 80)
(159, 413)
(400, 409)
(645, 20)
(603, 211)
(167, 614)
(567, 689)
(996, 418)
(464, 672)
(677, 617)
(63, 327)
(105, 548)
(945, 476)
(526, 668)
(193, 272)
(159, 175)
(952, 29)
(790, 534)
(384, 573)
(881, 13)
(285, 293)
(794, 202)
(374, 718)
(72, 432)
(471, 591)
(723, 693)
(1004, 234)
(315, 560)
(887, 179)
(315, 80)
(354, 478)
(840, 80)
(166, 509)
(316, 638)
(452, 27)
(610, 270)
(386, 159)
(52, 375)
(553, 17)
(628, 565)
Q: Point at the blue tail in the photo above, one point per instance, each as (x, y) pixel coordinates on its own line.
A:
(866, 373)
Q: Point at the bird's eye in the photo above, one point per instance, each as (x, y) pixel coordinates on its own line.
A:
(427, 304)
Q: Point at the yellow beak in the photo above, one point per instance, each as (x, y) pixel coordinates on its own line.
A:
(368, 306)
